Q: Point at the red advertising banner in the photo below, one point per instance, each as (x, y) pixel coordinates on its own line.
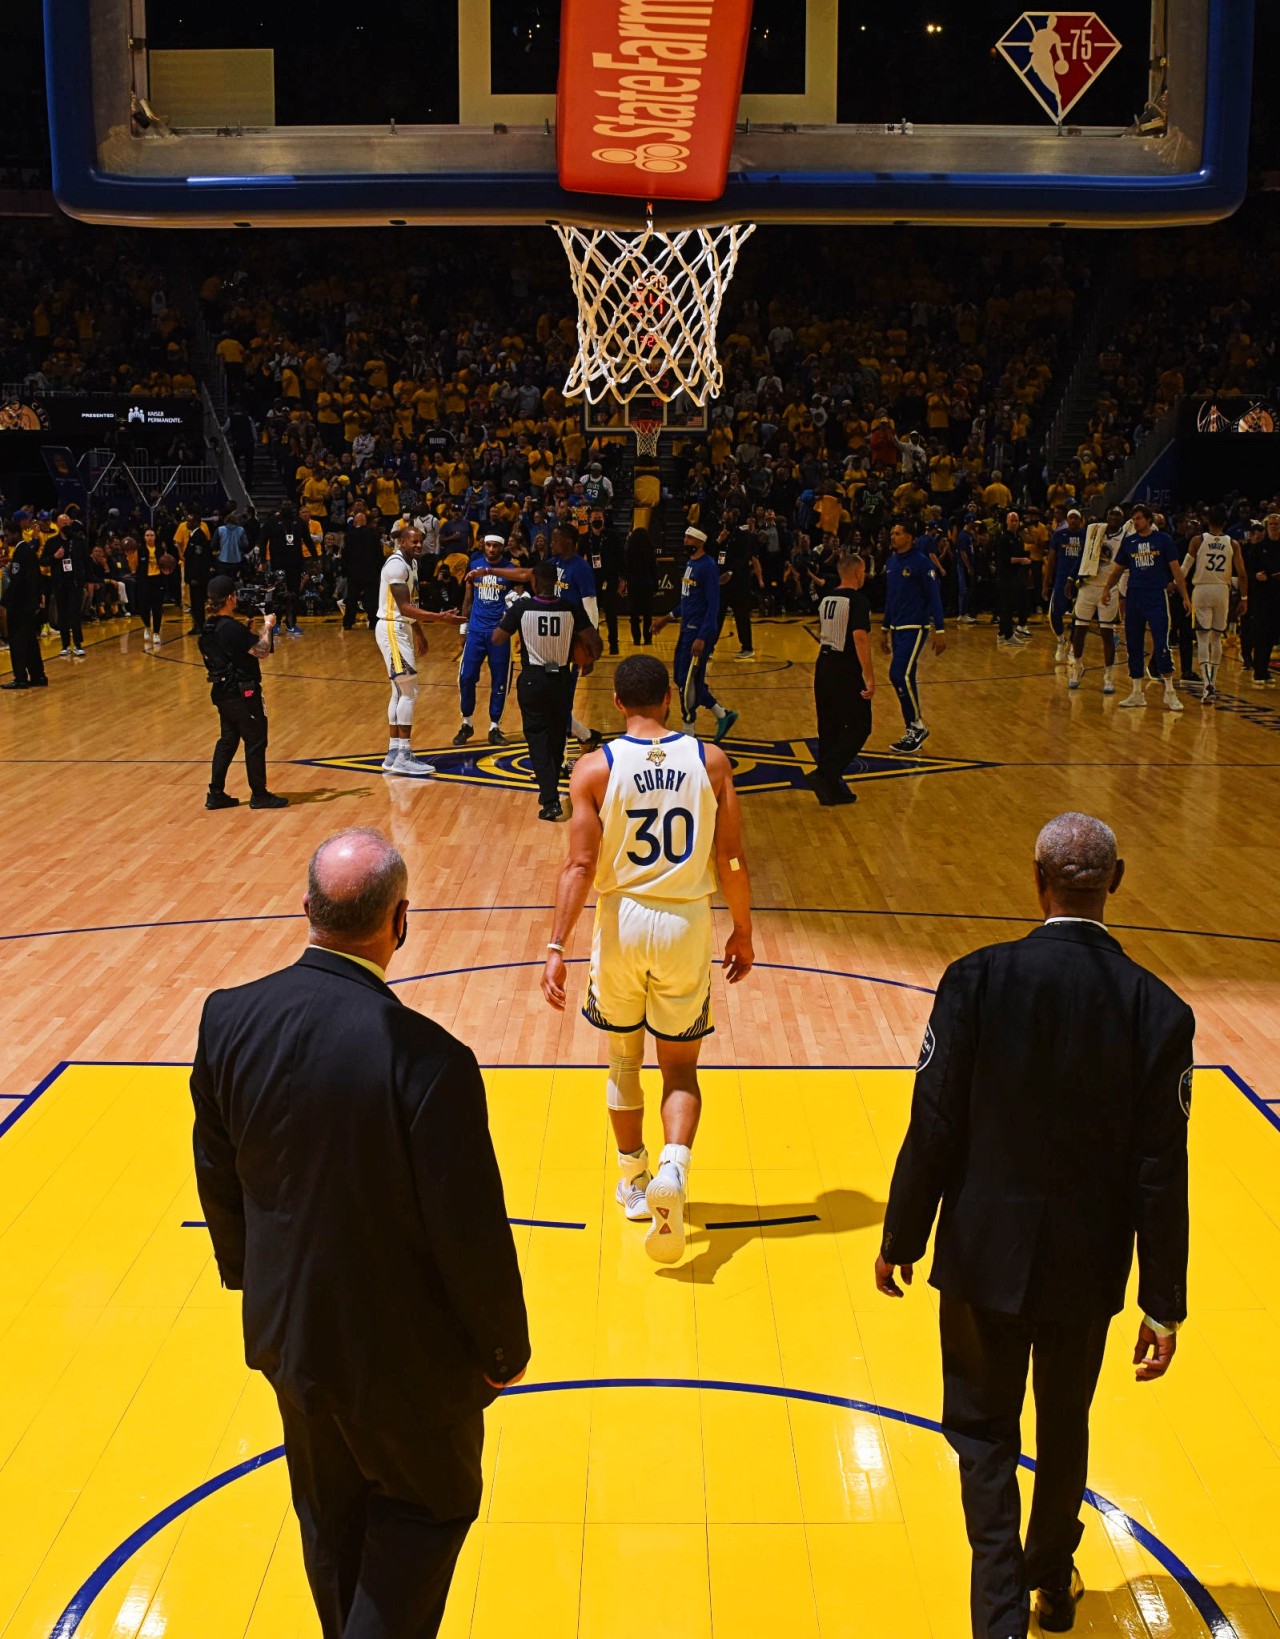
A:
(648, 95)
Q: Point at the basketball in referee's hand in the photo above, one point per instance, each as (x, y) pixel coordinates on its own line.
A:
(586, 648)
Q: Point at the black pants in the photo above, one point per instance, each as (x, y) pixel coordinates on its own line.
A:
(362, 594)
(24, 648)
(1007, 603)
(383, 1516)
(293, 592)
(1264, 629)
(985, 1357)
(69, 601)
(844, 717)
(546, 703)
(197, 593)
(242, 718)
(607, 599)
(1182, 632)
(640, 602)
(148, 600)
(737, 597)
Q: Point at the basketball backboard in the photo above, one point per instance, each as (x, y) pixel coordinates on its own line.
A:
(928, 111)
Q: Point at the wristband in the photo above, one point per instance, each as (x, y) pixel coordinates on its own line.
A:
(551, 945)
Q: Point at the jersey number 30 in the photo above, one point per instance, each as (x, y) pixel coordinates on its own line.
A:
(674, 820)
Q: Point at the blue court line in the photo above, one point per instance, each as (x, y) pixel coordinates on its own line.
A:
(573, 961)
(1212, 1614)
(765, 1223)
(756, 910)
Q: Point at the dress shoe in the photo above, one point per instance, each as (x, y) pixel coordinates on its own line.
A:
(1056, 1607)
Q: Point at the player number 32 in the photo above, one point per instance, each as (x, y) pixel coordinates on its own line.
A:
(676, 821)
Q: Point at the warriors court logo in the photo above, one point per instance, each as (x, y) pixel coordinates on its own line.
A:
(758, 765)
(1058, 55)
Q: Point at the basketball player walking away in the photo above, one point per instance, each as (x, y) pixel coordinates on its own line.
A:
(655, 826)
(402, 641)
(1152, 561)
(1092, 600)
(1210, 560)
(843, 681)
(699, 614)
(548, 625)
(913, 606)
(1066, 547)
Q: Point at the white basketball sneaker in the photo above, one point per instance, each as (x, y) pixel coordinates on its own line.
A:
(1060, 653)
(630, 1196)
(1074, 673)
(1135, 696)
(666, 1198)
(407, 763)
(1171, 701)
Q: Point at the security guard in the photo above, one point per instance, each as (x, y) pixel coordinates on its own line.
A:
(843, 680)
(548, 624)
(912, 604)
(231, 654)
(1050, 1121)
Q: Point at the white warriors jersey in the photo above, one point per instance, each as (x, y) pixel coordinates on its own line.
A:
(399, 570)
(1213, 560)
(659, 820)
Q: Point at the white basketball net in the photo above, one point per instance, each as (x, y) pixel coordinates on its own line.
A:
(648, 308)
(647, 433)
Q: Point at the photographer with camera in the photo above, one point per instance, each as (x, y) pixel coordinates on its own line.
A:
(231, 652)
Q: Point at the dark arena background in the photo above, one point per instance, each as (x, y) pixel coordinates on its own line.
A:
(282, 298)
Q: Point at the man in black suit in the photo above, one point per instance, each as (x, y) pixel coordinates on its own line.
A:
(1050, 1120)
(350, 1186)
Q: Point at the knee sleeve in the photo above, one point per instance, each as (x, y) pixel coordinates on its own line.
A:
(406, 689)
(392, 705)
(626, 1055)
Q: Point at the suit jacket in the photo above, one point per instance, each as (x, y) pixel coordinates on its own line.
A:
(1050, 1120)
(349, 1182)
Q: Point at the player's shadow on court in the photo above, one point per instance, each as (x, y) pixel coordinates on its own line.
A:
(1251, 1612)
(327, 793)
(718, 1229)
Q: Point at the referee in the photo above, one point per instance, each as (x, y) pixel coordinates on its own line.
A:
(547, 623)
(843, 680)
(1049, 1120)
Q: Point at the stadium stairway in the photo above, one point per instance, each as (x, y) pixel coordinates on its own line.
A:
(1070, 421)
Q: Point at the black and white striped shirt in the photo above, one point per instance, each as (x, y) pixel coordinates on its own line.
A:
(842, 612)
(546, 627)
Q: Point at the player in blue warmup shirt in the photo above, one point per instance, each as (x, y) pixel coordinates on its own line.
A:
(1152, 561)
(1066, 545)
(699, 616)
(486, 603)
(912, 607)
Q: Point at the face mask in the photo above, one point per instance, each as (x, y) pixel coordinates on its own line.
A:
(404, 932)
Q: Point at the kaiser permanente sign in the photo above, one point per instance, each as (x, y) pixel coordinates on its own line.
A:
(648, 95)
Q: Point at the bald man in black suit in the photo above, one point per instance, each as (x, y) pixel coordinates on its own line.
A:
(1049, 1121)
(352, 1194)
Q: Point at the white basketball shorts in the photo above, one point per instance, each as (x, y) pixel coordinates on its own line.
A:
(1209, 605)
(651, 965)
(395, 639)
(1090, 603)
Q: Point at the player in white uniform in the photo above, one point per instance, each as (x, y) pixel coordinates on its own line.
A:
(1211, 560)
(402, 642)
(655, 822)
(1093, 601)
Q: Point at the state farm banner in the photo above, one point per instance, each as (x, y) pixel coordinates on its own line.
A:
(648, 95)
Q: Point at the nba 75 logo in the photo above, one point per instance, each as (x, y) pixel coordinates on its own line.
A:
(1058, 55)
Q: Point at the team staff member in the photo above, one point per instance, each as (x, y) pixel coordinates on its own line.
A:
(361, 564)
(1152, 560)
(655, 825)
(1066, 546)
(547, 624)
(912, 607)
(486, 599)
(600, 549)
(843, 680)
(699, 615)
(1050, 1146)
(199, 562)
(232, 654)
(1012, 562)
(382, 1298)
(1264, 620)
(641, 584)
(23, 600)
(66, 558)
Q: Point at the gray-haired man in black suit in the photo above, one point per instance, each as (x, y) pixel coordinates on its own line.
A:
(348, 1178)
(1050, 1121)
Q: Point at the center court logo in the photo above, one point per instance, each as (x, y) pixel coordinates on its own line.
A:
(758, 765)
